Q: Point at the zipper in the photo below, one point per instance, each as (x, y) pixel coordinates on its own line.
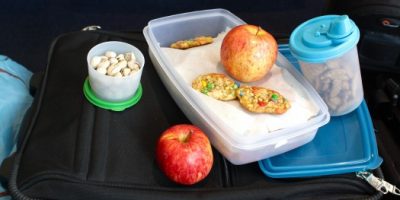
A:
(378, 183)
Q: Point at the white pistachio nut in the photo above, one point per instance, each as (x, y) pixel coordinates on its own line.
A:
(101, 70)
(118, 75)
(110, 54)
(116, 65)
(95, 61)
(104, 64)
(110, 70)
(130, 56)
(113, 60)
(120, 57)
(126, 71)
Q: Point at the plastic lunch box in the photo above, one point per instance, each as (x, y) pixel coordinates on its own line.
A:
(238, 149)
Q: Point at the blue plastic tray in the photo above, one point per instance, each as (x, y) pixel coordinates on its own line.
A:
(346, 144)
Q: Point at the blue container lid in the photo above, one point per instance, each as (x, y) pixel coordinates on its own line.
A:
(323, 38)
(346, 144)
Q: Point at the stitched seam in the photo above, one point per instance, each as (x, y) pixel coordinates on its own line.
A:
(12, 75)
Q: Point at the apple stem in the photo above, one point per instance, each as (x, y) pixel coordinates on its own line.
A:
(185, 138)
(189, 135)
(258, 29)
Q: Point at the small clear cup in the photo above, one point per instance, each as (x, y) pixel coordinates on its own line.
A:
(109, 88)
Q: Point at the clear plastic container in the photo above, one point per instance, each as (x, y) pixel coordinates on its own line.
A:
(326, 49)
(237, 148)
(114, 89)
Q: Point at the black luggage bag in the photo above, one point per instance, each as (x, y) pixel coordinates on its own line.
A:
(71, 149)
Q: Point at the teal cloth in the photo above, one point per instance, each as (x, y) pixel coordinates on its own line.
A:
(14, 101)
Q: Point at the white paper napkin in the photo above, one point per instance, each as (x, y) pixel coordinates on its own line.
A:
(193, 62)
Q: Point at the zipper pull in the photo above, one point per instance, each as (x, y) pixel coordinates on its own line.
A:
(379, 184)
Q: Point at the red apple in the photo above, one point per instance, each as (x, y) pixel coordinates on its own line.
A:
(248, 52)
(184, 154)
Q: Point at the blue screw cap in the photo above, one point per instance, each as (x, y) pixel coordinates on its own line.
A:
(340, 27)
(323, 38)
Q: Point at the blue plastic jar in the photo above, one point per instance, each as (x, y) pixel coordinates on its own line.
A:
(326, 48)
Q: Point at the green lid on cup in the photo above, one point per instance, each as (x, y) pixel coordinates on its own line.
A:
(114, 106)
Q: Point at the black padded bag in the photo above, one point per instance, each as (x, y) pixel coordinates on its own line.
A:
(70, 149)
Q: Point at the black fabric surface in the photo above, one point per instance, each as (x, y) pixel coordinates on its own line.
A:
(28, 27)
(74, 150)
(26, 34)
